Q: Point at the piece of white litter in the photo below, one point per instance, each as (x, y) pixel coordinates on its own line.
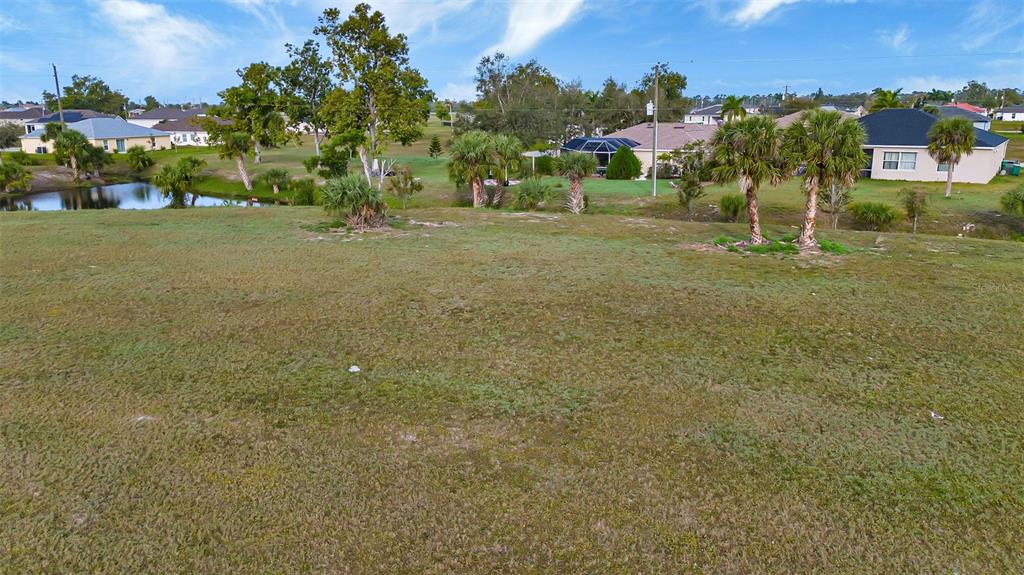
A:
(936, 415)
(142, 418)
(354, 369)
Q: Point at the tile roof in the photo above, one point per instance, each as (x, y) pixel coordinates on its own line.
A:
(954, 112)
(671, 135)
(97, 128)
(909, 127)
(22, 113)
(968, 107)
(790, 119)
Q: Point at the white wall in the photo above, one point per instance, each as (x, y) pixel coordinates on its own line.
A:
(707, 120)
(144, 123)
(190, 138)
(1010, 116)
(977, 168)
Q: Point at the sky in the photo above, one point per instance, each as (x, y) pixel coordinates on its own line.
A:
(188, 50)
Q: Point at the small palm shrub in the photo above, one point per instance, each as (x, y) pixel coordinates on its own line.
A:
(21, 157)
(915, 202)
(874, 216)
(303, 192)
(354, 200)
(544, 166)
(530, 194)
(1012, 201)
(624, 165)
(138, 159)
(731, 206)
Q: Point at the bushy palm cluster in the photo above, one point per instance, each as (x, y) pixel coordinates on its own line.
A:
(177, 180)
(476, 155)
(355, 201)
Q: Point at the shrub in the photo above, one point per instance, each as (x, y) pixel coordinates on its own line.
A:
(20, 157)
(1012, 201)
(9, 134)
(624, 165)
(544, 166)
(688, 190)
(435, 147)
(138, 159)
(915, 202)
(14, 178)
(773, 247)
(304, 192)
(354, 200)
(874, 215)
(835, 200)
(832, 247)
(530, 194)
(403, 185)
(731, 206)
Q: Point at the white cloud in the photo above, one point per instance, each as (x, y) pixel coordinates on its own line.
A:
(897, 39)
(405, 16)
(753, 11)
(159, 39)
(987, 20)
(459, 92)
(7, 23)
(926, 83)
(530, 21)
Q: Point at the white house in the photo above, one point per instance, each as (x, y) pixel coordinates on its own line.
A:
(151, 118)
(188, 131)
(1010, 113)
(897, 149)
(708, 115)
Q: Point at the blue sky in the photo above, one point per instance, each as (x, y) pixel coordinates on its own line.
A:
(188, 49)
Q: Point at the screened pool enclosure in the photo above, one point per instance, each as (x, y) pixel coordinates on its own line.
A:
(601, 148)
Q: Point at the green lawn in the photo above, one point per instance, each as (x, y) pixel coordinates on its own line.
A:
(592, 394)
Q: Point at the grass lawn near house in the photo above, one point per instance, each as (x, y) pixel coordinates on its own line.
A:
(568, 394)
(1006, 126)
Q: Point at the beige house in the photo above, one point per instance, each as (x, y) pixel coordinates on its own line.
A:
(897, 149)
(671, 136)
(112, 134)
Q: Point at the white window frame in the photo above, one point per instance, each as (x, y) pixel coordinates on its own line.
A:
(886, 160)
(943, 167)
(903, 161)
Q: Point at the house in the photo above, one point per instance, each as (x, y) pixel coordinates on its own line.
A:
(1010, 113)
(70, 117)
(20, 115)
(897, 149)
(601, 148)
(671, 136)
(151, 118)
(111, 134)
(188, 131)
(970, 108)
(708, 115)
(980, 121)
(790, 119)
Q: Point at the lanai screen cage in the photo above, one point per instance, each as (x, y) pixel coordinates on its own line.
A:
(601, 148)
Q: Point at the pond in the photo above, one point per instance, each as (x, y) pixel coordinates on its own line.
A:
(133, 196)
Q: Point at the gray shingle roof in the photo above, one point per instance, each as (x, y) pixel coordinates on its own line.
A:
(99, 128)
(714, 109)
(1012, 109)
(169, 113)
(22, 113)
(954, 112)
(909, 127)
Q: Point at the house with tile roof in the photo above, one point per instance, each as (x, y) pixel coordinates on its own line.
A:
(112, 134)
(150, 118)
(188, 131)
(20, 115)
(897, 149)
(671, 136)
(70, 117)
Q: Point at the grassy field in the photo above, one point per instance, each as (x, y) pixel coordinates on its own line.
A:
(1006, 126)
(537, 394)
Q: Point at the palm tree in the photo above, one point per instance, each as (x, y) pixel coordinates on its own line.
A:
(749, 151)
(507, 154)
(576, 166)
(177, 179)
(829, 146)
(276, 178)
(469, 160)
(69, 147)
(948, 141)
(732, 108)
(235, 146)
(884, 99)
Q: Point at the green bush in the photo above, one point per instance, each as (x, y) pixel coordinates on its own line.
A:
(354, 200)
(20, 157)
(544, 166)
(1012, 201)
(874, 215)
(530, 194)
(831, 247)
(731, 206)
(304, 192)
(773, 247)
(624, 165)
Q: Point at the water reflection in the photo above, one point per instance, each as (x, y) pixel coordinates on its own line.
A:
(133, 196)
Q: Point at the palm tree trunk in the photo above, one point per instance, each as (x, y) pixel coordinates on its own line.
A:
(256, 152)
(752, 214)
(499, 191)
(915, 224)
(276, 189)
(575, 203)
(366, 163)
(949, 179)
(806, 239)
(74, 167)
(478, 192)
(240, 162)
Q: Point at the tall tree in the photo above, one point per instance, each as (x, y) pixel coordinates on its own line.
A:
(150, 103)
(829, 147)
(88, 93)
(948, 141)
(885, 99)
(69, 147)
(750, 152)
(386, 99)
(305, 83)
(254, 107)
(469, 159)
(576, 166)
(235, 146)
(732, 108)
(671, 84)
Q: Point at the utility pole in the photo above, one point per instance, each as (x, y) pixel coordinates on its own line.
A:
(451, 119)
(785, 95)
(654, 145)
(60, 107)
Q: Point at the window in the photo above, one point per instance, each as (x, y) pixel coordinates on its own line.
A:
(943, 168)
(120, 145)
(106, 145)
(905, 161)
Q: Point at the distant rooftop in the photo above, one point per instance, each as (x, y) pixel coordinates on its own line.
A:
(671, 135)
(100, 128)
(169, 113)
